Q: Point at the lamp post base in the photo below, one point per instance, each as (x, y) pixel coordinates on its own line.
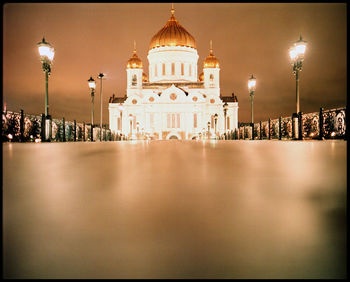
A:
(295, 126)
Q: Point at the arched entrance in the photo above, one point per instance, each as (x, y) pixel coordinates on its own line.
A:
(173, 135)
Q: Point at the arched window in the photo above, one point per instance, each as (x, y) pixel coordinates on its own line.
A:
(228, 123)
(168, 120)
(211, 77)
(194, 120)
(152, 120)
(173, 125)
(163, 69)
(119, 124)
(182, 69)
(172, 68)
(173, 120)
(190, 70)
(155, 70)
(212, 121)
(134, 80)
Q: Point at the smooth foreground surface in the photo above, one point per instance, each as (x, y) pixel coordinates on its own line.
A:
(175, 209)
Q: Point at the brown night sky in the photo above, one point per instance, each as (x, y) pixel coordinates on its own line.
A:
(247, 39)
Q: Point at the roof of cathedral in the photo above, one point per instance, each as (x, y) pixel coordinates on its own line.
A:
(172, 34)
(232, 98)
(114, 99)
(148, 85)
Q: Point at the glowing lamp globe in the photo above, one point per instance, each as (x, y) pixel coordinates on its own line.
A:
(293, 54)
(92, 83)
(251, 83)
(46, 51)
(300, 47)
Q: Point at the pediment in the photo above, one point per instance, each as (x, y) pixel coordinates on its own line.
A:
(174, 94)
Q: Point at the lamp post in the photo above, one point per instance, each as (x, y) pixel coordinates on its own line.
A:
(225, 113)
(92, 86)
(46, 52)
(215, 122)
(130, 119)
(121, 117)
(100, 76)
(251, 87)
(208, 129)
(296, 53)
(137, 129)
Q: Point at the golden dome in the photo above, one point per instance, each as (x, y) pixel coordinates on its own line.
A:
(172, 34)
(201, 77)
(134, 62)
(144, 77)
(211, 61)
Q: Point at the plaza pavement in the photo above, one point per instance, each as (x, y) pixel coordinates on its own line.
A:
(175, 209)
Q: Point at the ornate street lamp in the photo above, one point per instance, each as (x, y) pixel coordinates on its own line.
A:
(216, 121)
(46, 52)
(100, 76)
(296, 53)
(225, 113)
(251, 87)
(92, 86)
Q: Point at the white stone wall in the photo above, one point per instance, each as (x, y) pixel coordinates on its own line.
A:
(177, 55)
(163, 105)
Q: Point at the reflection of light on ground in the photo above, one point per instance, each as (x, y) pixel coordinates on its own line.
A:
(10, 148)
(213, 143)
(175, 209)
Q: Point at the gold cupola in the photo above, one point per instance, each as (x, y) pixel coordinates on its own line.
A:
(144, 77)
(211, 61)
(134, 62)
(172, 34)
(201, 77)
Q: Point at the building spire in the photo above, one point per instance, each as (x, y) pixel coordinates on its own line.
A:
(134, 46)
(172, 9)
(211, 47)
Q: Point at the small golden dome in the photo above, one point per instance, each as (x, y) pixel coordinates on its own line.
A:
(134, 62)
(211, 61)
(201, 77)
(172, 34)
(144, 77)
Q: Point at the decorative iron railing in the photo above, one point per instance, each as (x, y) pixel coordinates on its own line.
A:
(325, 124)
(20, 127)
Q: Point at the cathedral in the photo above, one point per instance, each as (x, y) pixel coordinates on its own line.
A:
(173, 101)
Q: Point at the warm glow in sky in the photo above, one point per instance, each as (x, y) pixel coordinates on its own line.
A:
(247, 39)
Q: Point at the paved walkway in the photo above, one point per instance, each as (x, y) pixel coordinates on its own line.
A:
(175, 209)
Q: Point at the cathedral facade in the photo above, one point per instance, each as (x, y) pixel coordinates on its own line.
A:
(173, 102)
